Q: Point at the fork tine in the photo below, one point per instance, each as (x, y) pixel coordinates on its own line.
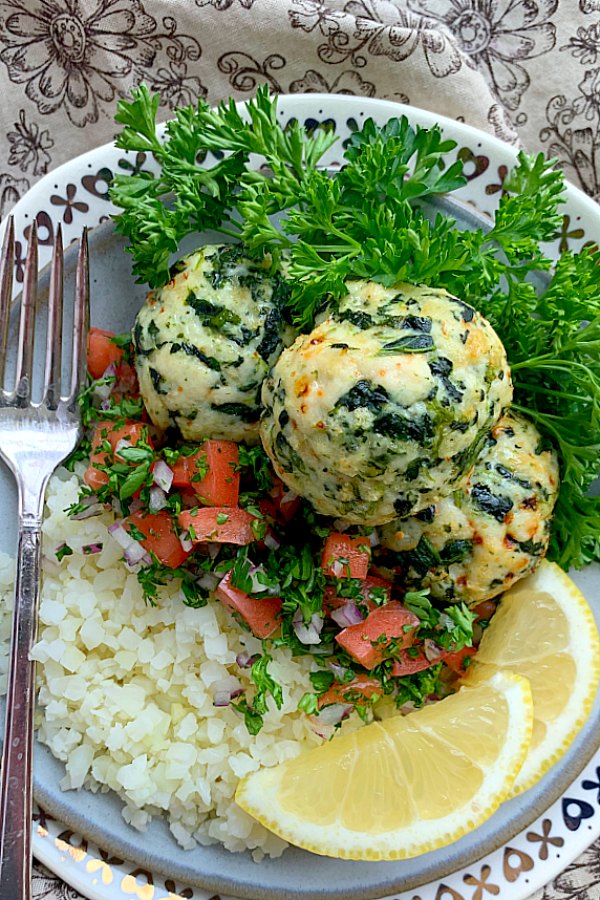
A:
(81, 320)
(52, 371)
(27, 319)
(6, 269)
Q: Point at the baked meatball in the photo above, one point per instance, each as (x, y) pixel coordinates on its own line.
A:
(384, 406)
(479, 541)
(205, 341)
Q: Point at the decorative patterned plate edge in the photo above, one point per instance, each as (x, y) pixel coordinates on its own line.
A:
(76, 193)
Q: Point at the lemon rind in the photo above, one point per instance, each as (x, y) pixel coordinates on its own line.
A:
(587, 660)
(586, 657)
(257, 794)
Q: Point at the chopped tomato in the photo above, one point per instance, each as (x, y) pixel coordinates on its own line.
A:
(379, 586)
(102, 352)
(367, 641)
(345, 556)
(134, 432)
(225, 524)
(92, 476)
(126, 382)
(260, 615)
(415, 660)
(268, 508)
(161, 536)
(371, 583)
(456, 659)
(332, 601)
(285, 502)
(360, 688)
(221, 484)
(410, 661)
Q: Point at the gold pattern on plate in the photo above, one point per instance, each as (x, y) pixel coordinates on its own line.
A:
(129, 885)
(77, 853)
(95, 865)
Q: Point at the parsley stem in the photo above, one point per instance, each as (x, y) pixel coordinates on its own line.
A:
(229, 232)
(538, 389)
(552, 363)
(336, 248)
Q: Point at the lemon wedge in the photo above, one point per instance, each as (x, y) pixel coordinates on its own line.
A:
(401, 787)
(544, 630)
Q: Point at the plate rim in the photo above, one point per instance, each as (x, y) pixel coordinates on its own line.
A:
(303, 103)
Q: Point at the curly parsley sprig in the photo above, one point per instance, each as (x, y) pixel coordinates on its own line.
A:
(193, 192)
(369, 220)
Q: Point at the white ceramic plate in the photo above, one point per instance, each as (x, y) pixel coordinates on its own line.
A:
(526, 843)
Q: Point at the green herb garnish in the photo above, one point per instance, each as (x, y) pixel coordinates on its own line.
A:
(367, 222)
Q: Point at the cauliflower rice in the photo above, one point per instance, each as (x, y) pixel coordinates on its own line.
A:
(125, 695)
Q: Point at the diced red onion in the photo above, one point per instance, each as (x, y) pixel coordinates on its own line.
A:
(133, 551)
(337, 568)
(245, 659)
(348, 614)
(136, 554)
(186, 542)
(325, 732)
(208, 581)
(375, 538)
(288, 497)
(339, 672)
(122, 537)
(90, 549)
(225, 689)
(91, 508)
(341, 525)
(307, 634)
(272, 542)
(110, 371)
(122, 444)
(257, 586)
(431, 650)
(212, 549)
(333, 714)
(221, 698)
(105, 386)
(446, 621)
(136, 505)
(157, 499)
(163, 475)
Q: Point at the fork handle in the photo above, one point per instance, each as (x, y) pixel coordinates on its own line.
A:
(15, 805)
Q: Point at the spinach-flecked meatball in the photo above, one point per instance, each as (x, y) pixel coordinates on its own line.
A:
(384, 406)
(205, 341)
(479, 541)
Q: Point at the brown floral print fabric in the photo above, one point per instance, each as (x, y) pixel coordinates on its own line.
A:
(527, 71)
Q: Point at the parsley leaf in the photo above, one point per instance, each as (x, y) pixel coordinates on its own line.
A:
(253, 720)
(368, 221)
(203, 192)
(62, 551)
(265, 684)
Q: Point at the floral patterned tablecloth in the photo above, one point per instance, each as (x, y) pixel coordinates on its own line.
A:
(525, 70)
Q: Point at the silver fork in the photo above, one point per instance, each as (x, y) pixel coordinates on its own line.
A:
(34, 439)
